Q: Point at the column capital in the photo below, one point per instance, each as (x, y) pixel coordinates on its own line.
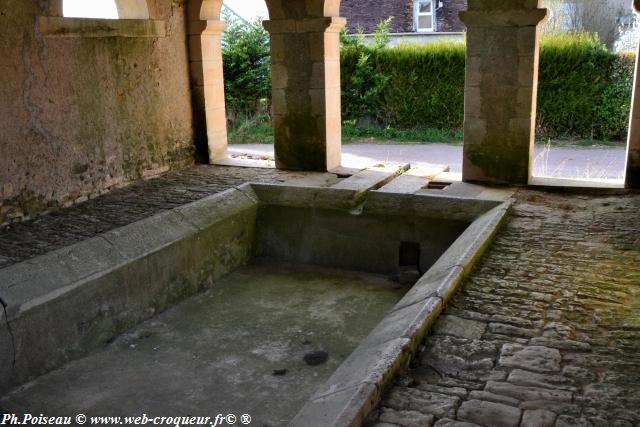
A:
(214, 27)
(326, 24)
(502, 18)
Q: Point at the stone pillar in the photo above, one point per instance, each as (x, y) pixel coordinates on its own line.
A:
(56, 8)
(205, 58)
(500, 90)
(633, 144)
(305, 56)
(132, 9)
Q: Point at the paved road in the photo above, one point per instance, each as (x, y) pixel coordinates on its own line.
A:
(566, 162)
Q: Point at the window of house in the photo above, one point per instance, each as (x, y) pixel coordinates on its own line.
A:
(104, 9)
(424, 15)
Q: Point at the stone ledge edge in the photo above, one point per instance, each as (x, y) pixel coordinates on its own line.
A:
(54, 26)
(345, 404)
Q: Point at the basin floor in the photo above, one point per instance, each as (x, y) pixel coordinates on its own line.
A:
(218, 352)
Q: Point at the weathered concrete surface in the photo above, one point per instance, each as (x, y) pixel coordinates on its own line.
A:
(546, 331)
(342, 240)
(80, 114)
(348, 395)
(218, 351)
(413, 180)
(371, 178)
(98, 288)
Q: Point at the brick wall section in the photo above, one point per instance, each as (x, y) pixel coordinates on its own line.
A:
(447, 16)
(367, 14)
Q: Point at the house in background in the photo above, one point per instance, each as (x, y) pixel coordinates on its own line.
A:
(418, 21)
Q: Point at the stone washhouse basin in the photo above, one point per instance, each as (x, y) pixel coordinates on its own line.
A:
(278, 301)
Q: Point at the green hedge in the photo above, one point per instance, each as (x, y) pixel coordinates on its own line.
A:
(246, 62)
(584, 90)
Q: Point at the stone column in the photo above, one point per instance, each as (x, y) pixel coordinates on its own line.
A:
(205, 58)
(500, 90)
(132, 9)
(55, 8)
(305, 56)
(633, 144)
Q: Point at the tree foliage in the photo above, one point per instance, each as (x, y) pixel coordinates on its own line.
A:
(363, 84)
(246, 63)
(595, 17)
(584, 90)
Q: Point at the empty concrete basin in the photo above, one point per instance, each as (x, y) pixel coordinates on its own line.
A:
(295, 315)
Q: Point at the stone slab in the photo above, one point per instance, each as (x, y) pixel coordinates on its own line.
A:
(447, 422)
(533, 358)
(491, 397)
(459, 327)
(146, 236)
(528, 393)
(489, 413)
(41, 279)
(538, 418)
(216, 208)
(412, 180)
(413, 399)
(406, 418)
(317, 197)
(405, 183)
(370, 178)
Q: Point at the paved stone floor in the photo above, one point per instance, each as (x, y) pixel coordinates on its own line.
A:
(21, 241)
(545, 332)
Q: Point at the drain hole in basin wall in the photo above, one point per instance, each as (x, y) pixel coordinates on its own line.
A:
(409, 263)
(437, 185)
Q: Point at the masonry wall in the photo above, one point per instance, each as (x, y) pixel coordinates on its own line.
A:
(83, 112)
(367, 14)
(447, 16)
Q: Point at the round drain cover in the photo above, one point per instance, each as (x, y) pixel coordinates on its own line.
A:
(314, 358)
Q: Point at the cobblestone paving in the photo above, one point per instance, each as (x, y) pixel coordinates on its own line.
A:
(21, 241)
(546, 332)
